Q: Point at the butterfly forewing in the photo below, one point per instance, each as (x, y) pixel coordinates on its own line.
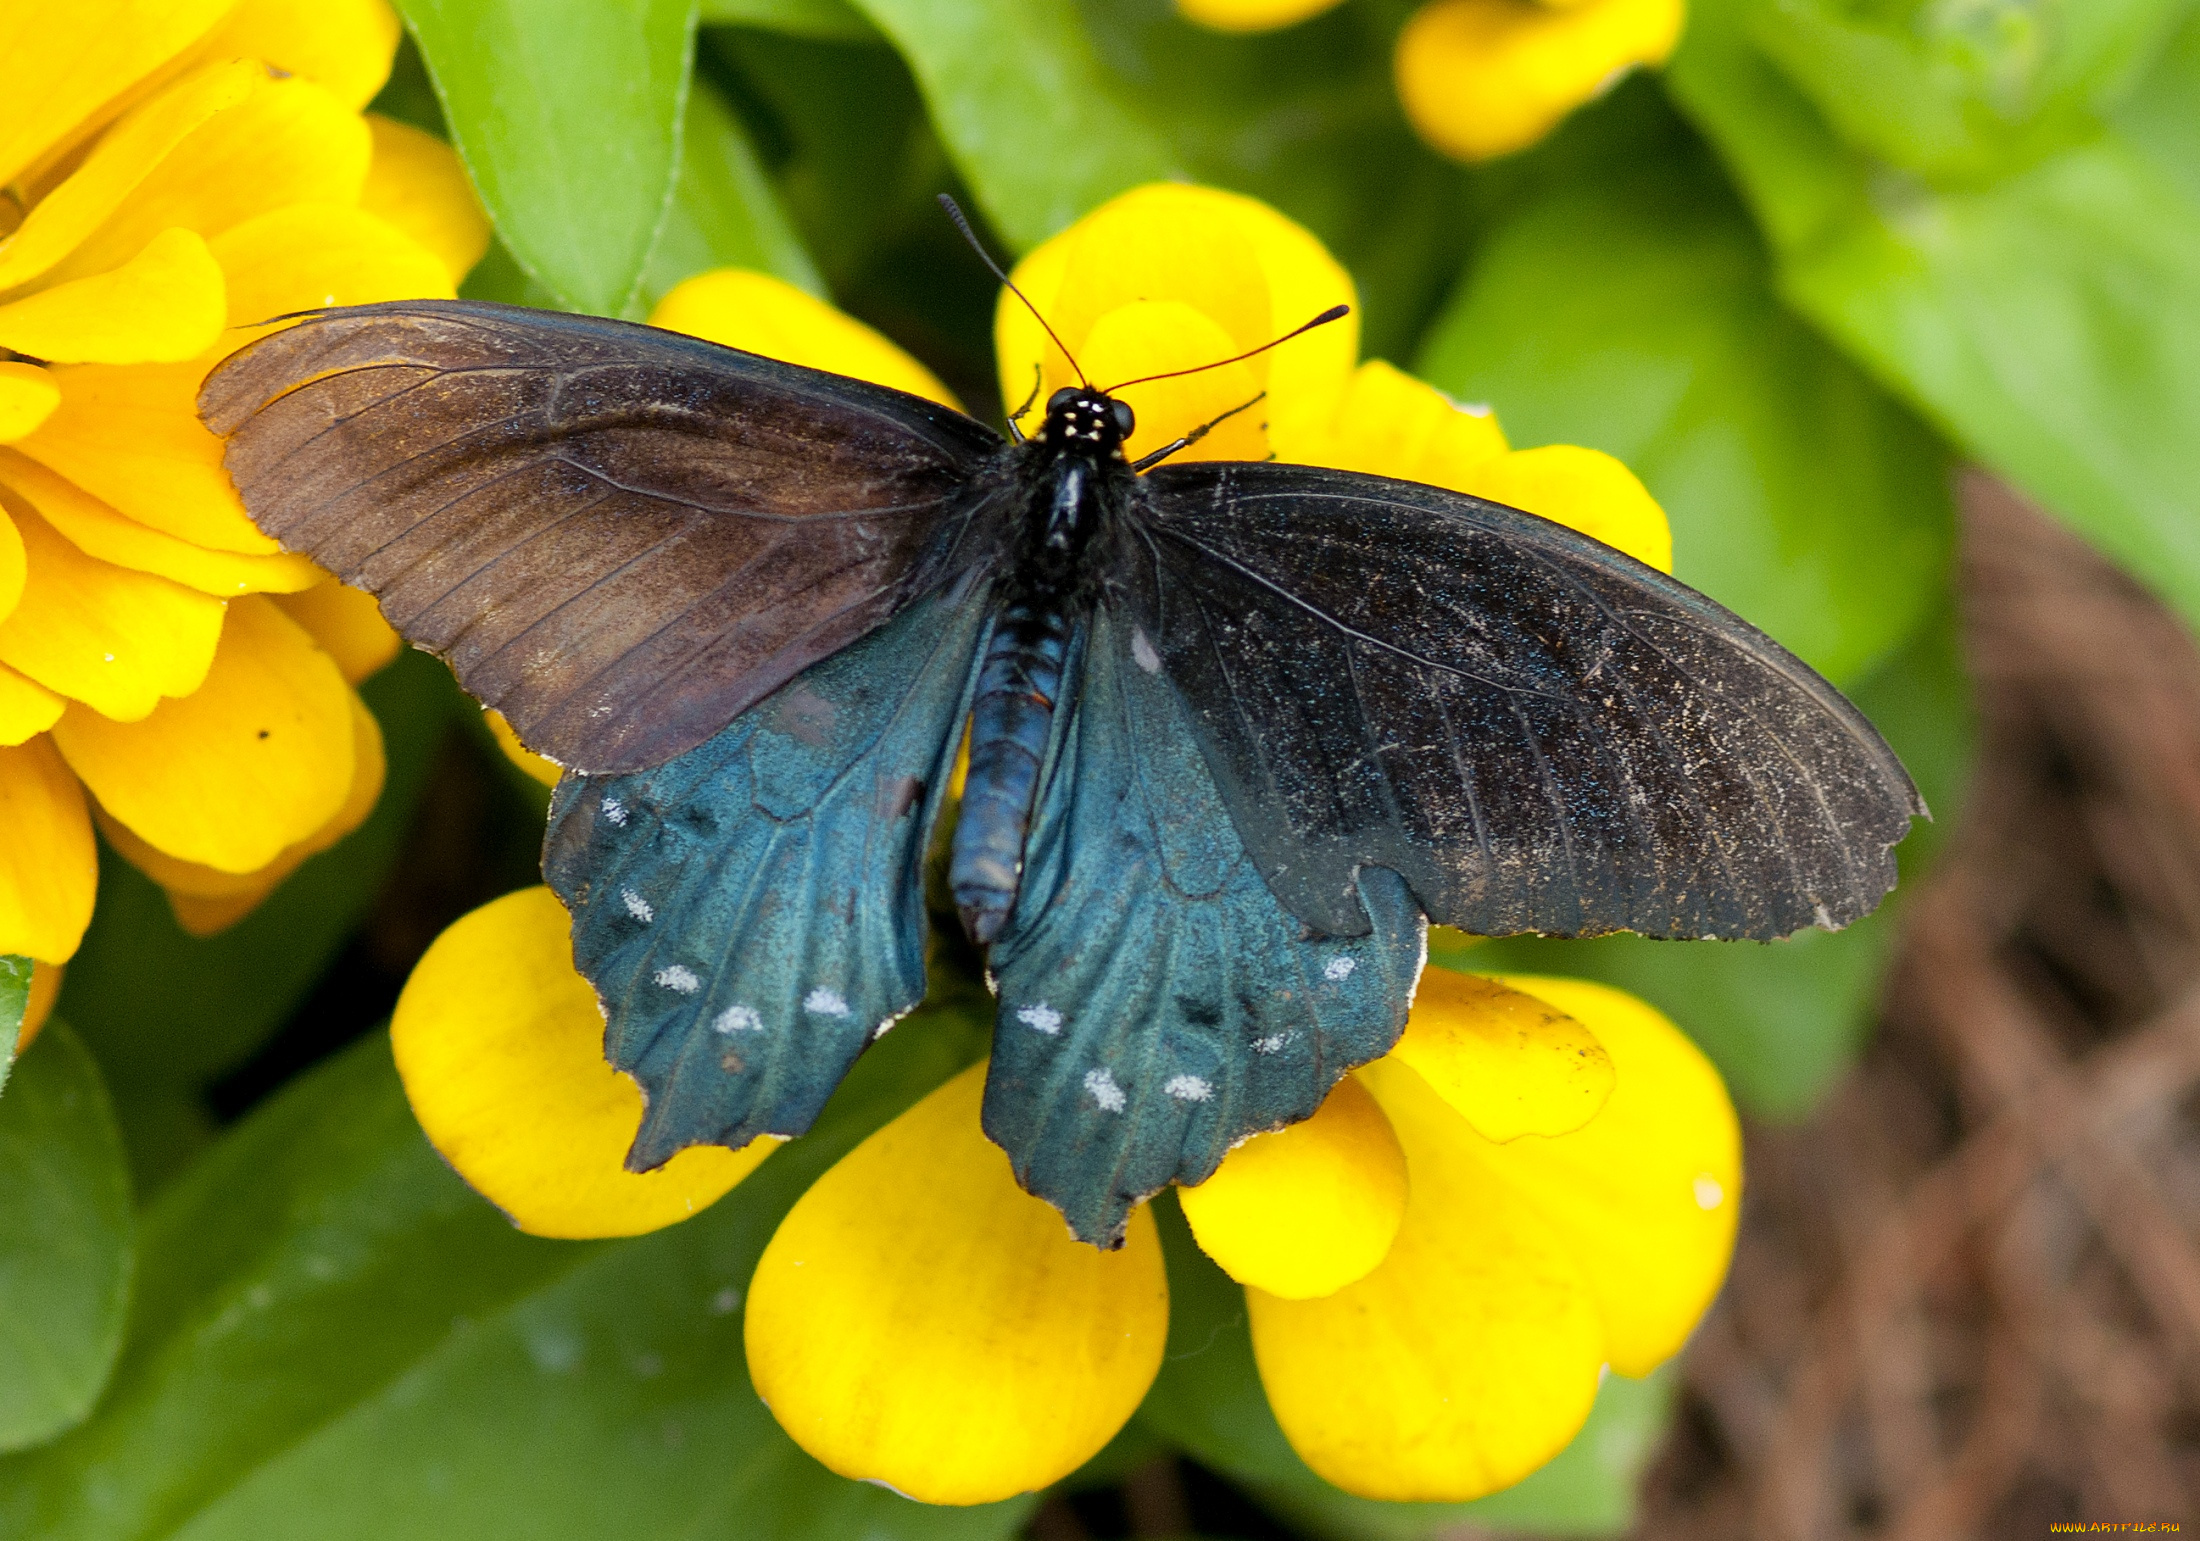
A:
(1538, 733)
(618, 536)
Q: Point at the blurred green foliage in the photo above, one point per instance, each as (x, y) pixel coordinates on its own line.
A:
(1839, 246)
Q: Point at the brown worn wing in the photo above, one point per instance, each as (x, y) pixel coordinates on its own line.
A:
(619, 537)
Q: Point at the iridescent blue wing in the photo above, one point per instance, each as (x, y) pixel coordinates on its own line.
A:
(751, 913)
(1157, 1004)
(1537, 732)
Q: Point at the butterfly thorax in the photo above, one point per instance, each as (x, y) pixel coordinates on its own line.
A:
(1072, 478)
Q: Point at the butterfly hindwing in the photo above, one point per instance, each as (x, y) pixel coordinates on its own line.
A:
(751, 913)
(619, 537)
(1157, 1005)
(1539, 733)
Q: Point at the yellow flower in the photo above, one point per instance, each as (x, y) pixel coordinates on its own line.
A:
(1538, 1181)
(1483, 78)
(172, 172)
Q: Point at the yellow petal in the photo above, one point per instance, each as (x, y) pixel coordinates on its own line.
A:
(288, 141)
(347, 624)
(129, 434)
(162, 305)
(1482, 78)
(1251, 15)
(344, 45)
(1153, 336)
(257, 758)
(116, 640)
(1509, 1063)
(45, 990)
(49, 867)
(206, 900)
(1647, 1192)
(1582, 488)
(27, 398)
(1303, 1211)
(97, 530)
(117, 167)
(417, 184)
(1390, 424)
(500, 1046)
(762, 314)
(311, 255)
(65, 63)
(27, 708)
(14, 564)
(1464, 1362)
(919, 1320)
(541, 767)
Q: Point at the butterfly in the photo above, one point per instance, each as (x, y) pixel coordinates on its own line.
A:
(1238, 732)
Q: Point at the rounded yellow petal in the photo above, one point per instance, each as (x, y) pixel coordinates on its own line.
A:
(1153, 336)
(162, 305)
(1482, 78)
(129, 435)
(541, 767)
(344, 45)
(1251, 15)
(14, 564)
(1303, 1211)
(28, 396)
(65, 63)
(117, 166)
(417, 184)
(27, 708)
(347, 624)
(1464, 1362)
(49, 867)
(762, 314)
(919, 1320)
(257, 758)
(97, 530)
(500, 1045)
(1585, 489)
(1508, 1062)
(1646, 1194)
(114, 639)
(45, 990)
(1390, 424)
(311, 255)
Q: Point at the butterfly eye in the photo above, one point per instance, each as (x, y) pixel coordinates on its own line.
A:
(1124, 421)
(1061, 399)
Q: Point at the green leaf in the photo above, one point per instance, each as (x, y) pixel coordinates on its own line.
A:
(1782, 1020)
(2048, 318)
(337, 1338)
(1033, 122)
(1208, 1399)
(725, 211)
(15, 995)
(568, 115)
(833, 21)
(65, 1240)
(1630, 308)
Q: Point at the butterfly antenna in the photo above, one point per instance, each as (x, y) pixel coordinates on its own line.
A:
(1333, 313)
(986, 257)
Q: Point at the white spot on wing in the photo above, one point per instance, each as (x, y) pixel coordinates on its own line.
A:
(679, 977)
(615, 811)
(1105, 1091)
(1041, 1018)
(1709, 1195)
(738, 1019)
(1824, 919)
(1271, 1043)
(1339, 968)
(637, 906)
(1142, 650)
(1188, 1088)
(825, 1003)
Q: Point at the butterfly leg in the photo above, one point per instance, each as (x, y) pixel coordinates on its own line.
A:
(1201, 432)
(1015, 418)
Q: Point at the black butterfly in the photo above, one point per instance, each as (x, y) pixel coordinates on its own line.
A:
(1235, 728)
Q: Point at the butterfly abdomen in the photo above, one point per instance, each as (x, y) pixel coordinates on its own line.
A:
(1019, 681)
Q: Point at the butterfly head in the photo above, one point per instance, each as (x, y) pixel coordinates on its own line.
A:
(1080, 418)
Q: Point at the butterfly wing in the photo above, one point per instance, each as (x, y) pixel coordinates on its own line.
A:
(751, 913)
(1537, 732)
(619, 537)
(1157, 1004)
